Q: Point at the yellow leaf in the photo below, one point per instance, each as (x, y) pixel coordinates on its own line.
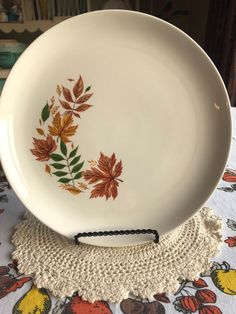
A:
(35, 301)
(62, 126)
(83, 186)
(40, 131)
(70, 188)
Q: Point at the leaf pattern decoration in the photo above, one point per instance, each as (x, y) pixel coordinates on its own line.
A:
(72, 189)
(229, 175)
(106, 176)
(78, 87)
(43, 148)
(58, 124)
(62, 126)
(34, 301)
(162, 297)
(130, 306)
(231, 241)
(77, 306)
(231, 224)
(9, 283)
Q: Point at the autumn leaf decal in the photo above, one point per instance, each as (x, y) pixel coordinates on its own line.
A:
(106, 177)
(58, 123)
(62, 127)
(43, 148)
(75, 102)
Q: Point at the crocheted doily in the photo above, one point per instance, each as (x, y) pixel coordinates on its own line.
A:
(103, 273)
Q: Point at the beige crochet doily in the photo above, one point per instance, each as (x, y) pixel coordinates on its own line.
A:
(100, 273)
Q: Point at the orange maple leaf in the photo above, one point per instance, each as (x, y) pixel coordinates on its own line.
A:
(106, 176)
(62, 126)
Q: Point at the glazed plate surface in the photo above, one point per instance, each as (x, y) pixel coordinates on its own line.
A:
(114, 120)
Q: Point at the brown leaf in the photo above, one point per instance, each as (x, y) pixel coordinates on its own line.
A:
(106, 176)
(70, 188)
(48, 169)
(65, 105)
(83, 98)
(162, 297)
(67, 94)
(78, 88)
(43, 148)
(52, 100)
(40, 131)
(58, 90)
(83, 107)
(62, 126)
(76, 114)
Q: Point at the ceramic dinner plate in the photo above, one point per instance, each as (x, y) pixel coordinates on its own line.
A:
(114, 120)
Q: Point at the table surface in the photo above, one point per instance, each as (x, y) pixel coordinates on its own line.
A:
(213, 293)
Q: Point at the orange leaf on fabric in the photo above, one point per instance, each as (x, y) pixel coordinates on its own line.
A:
(77, 306)
(83, 98)
(78, 88)
(106, 176)
(229, 175)
(67, 94)
(231, 241)
(62, 127)
(40, 131)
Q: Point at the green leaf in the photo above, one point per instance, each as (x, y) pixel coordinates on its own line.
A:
(87, 89)
(78, 175)
(60, 173)
(57, 157)
(45, 112)
(58, 166)
(64, 180)
(73, 152)
(75, 160)
(77, 167)
(63, 148)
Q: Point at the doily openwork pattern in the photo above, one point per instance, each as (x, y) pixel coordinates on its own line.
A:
(102, 273)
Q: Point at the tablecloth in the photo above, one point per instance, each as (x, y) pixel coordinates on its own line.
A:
(213, 293)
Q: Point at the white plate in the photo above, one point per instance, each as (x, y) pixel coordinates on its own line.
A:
(159, 111)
